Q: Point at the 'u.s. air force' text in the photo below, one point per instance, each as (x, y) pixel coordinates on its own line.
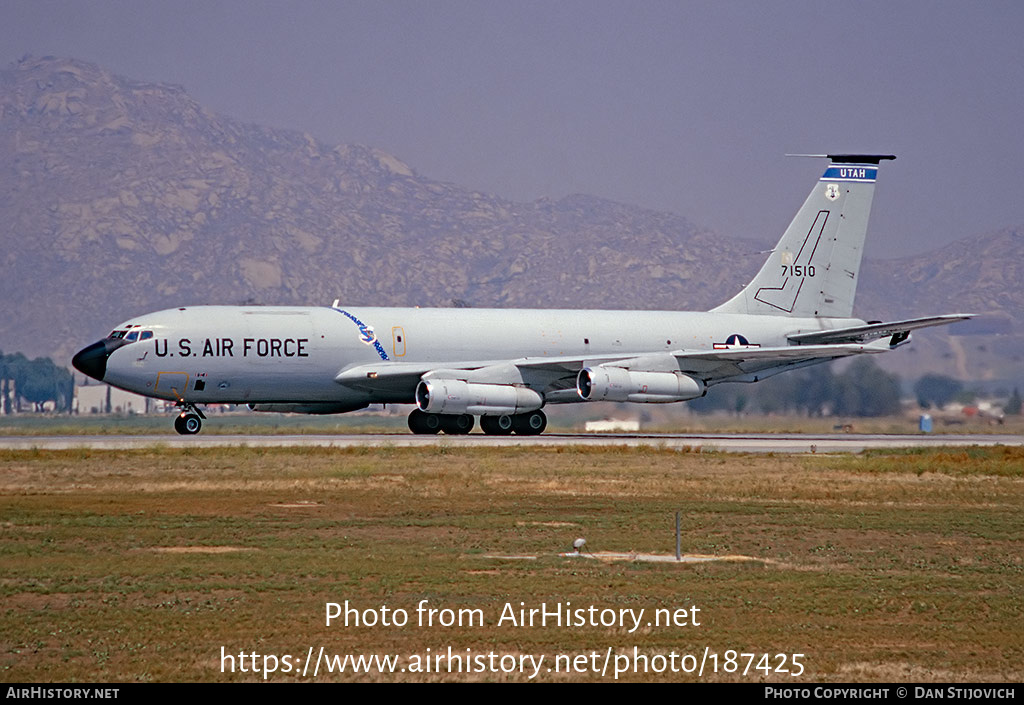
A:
(228, 347)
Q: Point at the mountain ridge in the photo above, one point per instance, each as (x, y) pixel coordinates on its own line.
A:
(119, 197)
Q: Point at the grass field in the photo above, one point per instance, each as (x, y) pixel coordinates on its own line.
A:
(141, 566)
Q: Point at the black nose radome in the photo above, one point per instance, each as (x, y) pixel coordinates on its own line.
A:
(92, 360)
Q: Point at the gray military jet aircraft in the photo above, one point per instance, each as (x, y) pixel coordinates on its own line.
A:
(505, 365)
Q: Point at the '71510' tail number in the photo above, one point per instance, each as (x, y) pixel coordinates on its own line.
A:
(798, 270)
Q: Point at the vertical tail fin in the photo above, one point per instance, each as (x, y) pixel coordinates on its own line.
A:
(813, 271)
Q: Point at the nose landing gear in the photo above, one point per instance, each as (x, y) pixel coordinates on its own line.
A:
(189, 421)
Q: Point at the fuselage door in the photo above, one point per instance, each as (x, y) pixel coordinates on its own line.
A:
(398, 341)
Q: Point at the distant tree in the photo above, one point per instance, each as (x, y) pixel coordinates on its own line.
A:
(865, 389)
(5, 399)
(936, 390)
(1014, 405)
(815, 389)
(740, 403)
(728, 398)
(37, 381)
(772, 396)
(719, 398)
(778, 394)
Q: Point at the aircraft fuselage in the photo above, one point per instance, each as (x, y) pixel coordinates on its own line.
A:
(226, 354)
(504, 365)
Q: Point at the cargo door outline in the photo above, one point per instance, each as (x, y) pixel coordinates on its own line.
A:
(174, 384)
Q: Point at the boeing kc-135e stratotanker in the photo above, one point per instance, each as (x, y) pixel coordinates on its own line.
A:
(505, 365)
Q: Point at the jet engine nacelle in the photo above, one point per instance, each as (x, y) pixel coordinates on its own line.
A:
(455, 396)
(312, 408)
(620, 384)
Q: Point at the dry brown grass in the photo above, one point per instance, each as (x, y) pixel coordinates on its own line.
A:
(122, 566)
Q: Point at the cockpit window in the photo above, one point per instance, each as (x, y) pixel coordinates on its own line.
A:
(131, 334)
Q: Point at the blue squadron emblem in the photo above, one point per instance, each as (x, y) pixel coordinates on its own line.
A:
(366, 334)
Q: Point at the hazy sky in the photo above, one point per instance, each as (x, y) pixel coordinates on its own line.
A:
(679, 106)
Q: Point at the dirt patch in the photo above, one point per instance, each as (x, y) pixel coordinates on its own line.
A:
(199, 549)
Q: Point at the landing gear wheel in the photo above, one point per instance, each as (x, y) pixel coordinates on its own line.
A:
(188, 424)
(421, 422)
(496, 425)
(456, 424)
(530, 424)
(189, 421)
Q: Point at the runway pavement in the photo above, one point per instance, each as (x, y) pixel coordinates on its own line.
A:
(733, 443)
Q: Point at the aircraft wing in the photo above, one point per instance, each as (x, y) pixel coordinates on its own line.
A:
(899, 330)
(709, 365)
(557, 375)
(751, 364)
(387, 376)
(396, 375)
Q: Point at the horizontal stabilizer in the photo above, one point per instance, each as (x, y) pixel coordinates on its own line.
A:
(874, 331)
(850, 158)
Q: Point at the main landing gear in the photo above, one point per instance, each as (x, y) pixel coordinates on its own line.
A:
(529, 424)
(189, 421)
